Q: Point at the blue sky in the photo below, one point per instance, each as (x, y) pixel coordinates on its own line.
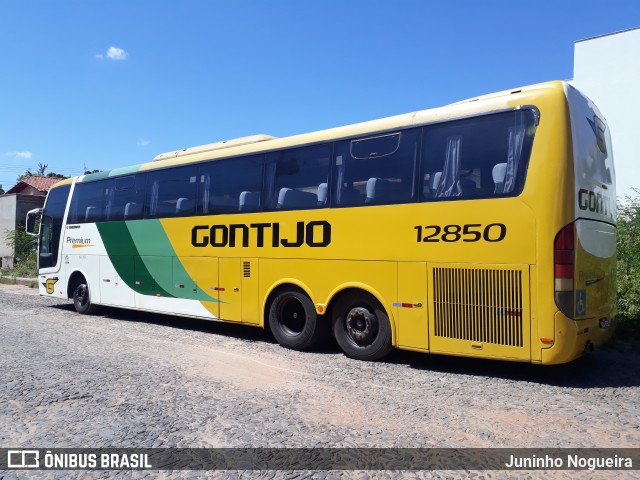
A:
(106, 84)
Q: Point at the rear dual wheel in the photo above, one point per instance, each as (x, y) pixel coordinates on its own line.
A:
(361, 327)
(360, 324)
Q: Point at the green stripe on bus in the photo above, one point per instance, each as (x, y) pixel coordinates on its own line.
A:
(90, 177)
(157, 253)
(124, 170)
(95, 176)
(122, 252)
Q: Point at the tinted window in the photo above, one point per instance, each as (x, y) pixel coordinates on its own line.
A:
(477, 157)
(88, 202)
(171, 192)
(228, 186)
(299, 177)
(50, 226)
(125, 198)
(376, 170)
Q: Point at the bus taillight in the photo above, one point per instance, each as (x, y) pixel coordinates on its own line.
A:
(564, 255)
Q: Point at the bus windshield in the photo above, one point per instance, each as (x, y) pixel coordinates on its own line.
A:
(51, 225)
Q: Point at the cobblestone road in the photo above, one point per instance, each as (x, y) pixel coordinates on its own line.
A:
(128, 379)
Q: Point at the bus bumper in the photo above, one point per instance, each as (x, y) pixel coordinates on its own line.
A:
(573, 338)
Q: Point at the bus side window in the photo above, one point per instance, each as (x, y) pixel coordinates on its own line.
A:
(297, 177)
(125, 198)
(89, 202)
(229, 186)
(498, 173)
(376, 170)
(171, 192)
(249, 201)
(431, 182)
(478, 157)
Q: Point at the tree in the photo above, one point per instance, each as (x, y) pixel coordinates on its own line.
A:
(628, 274)
(1, 190)
(27, 173)
(42, 168)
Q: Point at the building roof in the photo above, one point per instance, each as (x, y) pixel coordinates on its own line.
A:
(607, 34)
(42, 184)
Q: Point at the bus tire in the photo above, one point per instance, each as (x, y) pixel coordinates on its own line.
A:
(82, 298)
(293, 320)
(361, 327)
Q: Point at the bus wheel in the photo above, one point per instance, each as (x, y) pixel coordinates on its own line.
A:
(293, 320)
(362, 327)
(82, 298)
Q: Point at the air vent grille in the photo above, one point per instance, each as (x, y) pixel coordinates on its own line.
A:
(246, 269)
(479, 305)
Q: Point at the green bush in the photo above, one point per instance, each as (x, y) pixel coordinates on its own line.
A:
(628, 268)
(23, 244)
(25, 260)
(27, 267)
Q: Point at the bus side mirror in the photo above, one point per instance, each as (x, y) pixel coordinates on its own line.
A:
(31, 221)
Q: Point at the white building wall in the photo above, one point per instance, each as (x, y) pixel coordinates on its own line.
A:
(607, 70)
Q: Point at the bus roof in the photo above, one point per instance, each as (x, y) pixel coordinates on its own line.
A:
(265, 143)
(210, 147)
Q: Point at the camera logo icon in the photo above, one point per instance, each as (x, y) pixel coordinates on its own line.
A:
(23, 459)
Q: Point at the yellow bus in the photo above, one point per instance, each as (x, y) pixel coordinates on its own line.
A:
(485, 228)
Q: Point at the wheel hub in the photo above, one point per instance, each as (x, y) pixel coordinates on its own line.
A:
(292, 315)
(361, 324)
(81, 292)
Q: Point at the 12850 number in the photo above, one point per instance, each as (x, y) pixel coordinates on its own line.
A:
(470, 232)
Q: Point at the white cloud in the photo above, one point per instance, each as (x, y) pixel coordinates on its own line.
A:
(114, 53)
(143, 142)
(24, 154)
